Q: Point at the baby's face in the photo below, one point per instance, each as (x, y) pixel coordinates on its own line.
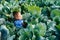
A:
(18, 16)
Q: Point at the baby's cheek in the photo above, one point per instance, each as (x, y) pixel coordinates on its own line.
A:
(20, 17)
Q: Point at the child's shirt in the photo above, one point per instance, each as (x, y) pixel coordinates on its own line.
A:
(18, 23)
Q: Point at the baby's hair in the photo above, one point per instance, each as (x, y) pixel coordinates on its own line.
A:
(15, 12)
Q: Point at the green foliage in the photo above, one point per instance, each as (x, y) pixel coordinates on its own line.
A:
(43, 19)
(58, 26)
(41, 27)
(56, 12)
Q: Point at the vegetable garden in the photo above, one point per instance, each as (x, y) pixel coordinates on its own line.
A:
(42, 17)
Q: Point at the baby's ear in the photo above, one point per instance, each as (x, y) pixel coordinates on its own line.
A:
(25, 24)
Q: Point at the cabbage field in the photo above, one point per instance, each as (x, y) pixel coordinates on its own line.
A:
(42, 18)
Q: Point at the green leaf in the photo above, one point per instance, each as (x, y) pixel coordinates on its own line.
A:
(41, 28)
(55, 12)
(58, 27)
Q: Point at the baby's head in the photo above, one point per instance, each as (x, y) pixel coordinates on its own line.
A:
(17, 15)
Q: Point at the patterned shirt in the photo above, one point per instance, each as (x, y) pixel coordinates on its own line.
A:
(18, 23)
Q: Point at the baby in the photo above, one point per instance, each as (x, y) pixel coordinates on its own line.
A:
(18, 20)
